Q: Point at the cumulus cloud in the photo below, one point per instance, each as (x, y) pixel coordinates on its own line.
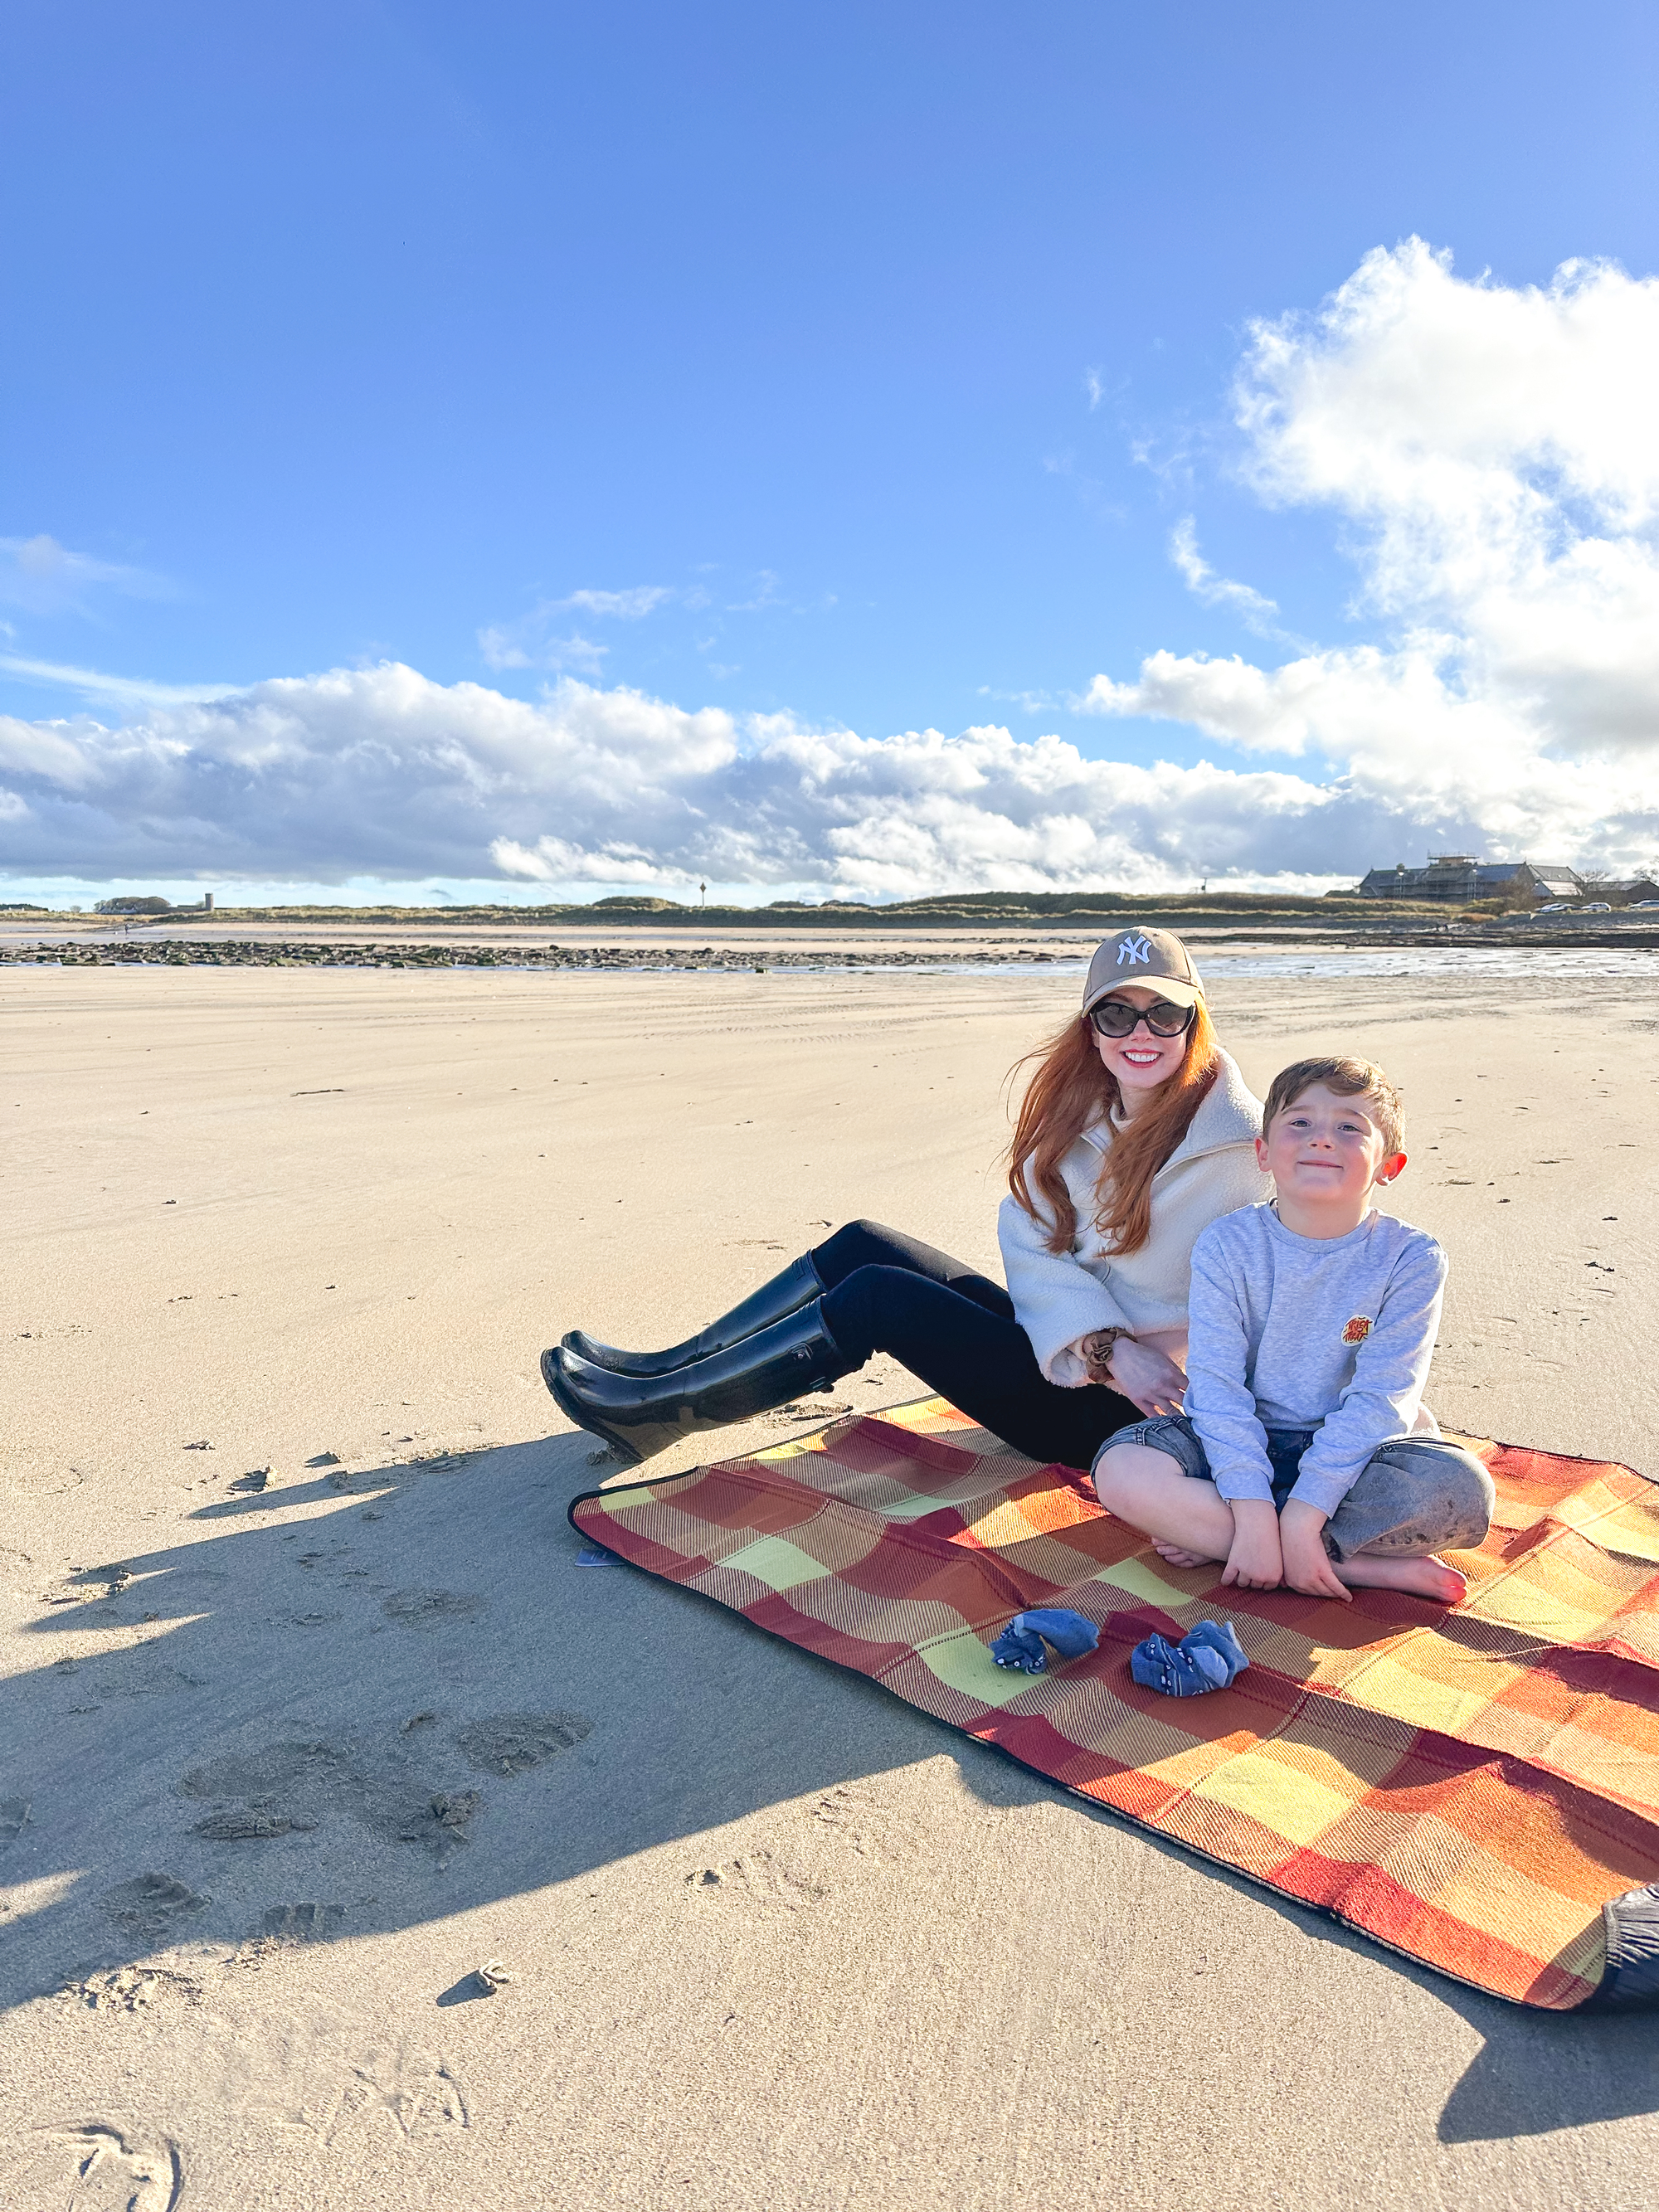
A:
(382, 773)
(1489, 459)
(1492, 455)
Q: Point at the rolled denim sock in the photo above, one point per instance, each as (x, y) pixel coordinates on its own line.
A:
(1208, 1657)
(1158, 1664)
(1021, 1643)
(1220, 1639)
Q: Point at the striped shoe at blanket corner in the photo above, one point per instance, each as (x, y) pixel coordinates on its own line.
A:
(1477, 1788)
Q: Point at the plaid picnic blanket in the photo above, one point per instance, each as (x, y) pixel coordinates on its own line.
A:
(1478, 1788)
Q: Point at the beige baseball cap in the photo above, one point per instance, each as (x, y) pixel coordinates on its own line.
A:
(1142, 956)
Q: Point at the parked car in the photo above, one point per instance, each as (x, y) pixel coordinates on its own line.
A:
(1557, 906)
(1596, 906)
(1644, 906)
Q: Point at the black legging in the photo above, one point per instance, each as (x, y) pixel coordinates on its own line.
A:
(956, 1329)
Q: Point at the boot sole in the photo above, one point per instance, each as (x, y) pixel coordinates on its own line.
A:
(574, 1410)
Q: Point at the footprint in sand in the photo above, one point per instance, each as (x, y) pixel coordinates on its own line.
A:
(306, 1922)
(431, 1608)
(416, 2091)
(286, 1788)
(133, 1989)
(756, 1880)
(279, 1766)
(512, 1743)
(151, 1905)
(253, 1824)
(855, 1819)
(117, 2172)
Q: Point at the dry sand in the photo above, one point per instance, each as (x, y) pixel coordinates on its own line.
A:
(256, 1218)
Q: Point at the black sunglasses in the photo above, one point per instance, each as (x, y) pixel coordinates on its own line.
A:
(1115, 1017)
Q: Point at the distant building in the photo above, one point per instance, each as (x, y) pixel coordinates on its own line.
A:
(1462, 877)
(127, 905)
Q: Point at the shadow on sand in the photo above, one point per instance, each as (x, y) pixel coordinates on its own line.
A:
(343, 1711)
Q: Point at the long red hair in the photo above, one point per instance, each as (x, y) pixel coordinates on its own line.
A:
(1072, 1088)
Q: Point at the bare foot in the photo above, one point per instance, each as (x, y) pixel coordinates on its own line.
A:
(1429, 1579)
(1173, 1555)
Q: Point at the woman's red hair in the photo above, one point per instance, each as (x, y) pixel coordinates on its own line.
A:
(1073, 1088)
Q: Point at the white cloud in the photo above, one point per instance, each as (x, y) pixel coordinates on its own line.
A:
(382, 773)
(45, 578)
(528, 642)
(523, 644)
(1489, 457)
(766, 595)
(119, 690)
(1492, 455)
(1214, 591)
(629, 606)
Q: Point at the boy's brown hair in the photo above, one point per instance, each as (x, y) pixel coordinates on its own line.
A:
(1349, 1079)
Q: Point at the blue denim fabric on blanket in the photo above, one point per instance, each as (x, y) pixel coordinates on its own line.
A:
(1021, 1643)
(1208, 1657)
(1415, 1496)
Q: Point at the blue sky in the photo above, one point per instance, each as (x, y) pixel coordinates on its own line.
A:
(853, 367)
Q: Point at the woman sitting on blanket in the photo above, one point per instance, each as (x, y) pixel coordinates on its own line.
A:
(1137, 1130)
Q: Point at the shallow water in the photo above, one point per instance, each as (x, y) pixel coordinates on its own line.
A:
(1476, 964)
(1553, 961)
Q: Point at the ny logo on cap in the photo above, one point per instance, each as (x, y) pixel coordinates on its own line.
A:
(1133, 948)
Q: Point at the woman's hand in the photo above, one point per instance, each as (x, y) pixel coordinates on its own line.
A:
(1148, 1378)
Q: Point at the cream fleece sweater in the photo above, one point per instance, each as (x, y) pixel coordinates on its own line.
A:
(1060, 1299)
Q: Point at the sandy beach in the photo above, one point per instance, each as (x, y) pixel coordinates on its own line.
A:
(282, 1528)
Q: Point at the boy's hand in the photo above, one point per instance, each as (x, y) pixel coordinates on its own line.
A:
(1255, 1561)
(1307, 1565)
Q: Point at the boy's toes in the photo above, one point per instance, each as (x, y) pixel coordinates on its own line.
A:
(1173, 1555)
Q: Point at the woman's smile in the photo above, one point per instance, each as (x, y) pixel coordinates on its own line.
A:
(1142, 1062)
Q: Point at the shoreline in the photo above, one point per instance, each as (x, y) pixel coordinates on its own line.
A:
(781, 939)
(1255, 955)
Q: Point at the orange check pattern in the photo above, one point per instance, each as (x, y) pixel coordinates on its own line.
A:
(1468, 1786)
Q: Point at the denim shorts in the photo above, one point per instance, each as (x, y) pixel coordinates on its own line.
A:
(1414, 1496)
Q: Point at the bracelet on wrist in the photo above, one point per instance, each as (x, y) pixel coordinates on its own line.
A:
(1101, 1343)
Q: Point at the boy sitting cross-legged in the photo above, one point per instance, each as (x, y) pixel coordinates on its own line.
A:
(1305, 1454)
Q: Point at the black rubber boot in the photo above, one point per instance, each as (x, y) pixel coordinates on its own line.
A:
(640, 1414)
(797, 1287)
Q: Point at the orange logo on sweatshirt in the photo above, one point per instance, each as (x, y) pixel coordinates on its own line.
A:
(1357, 1330)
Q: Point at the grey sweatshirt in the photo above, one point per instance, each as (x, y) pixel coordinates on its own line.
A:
(1293, 1332)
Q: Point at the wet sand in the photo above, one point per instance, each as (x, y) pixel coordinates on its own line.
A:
(313, 1711)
